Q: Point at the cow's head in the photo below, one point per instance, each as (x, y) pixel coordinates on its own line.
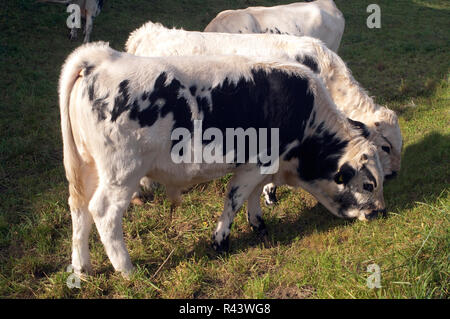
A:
(345, 176)
(389, 140)
(356, 188)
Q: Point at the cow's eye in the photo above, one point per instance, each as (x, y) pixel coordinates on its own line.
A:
(368, 187)
(387, 149)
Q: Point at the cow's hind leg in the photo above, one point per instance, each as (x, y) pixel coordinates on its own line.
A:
(82, 221)
(240, 187)
(73, 34)
(107, 207)
(88, 27)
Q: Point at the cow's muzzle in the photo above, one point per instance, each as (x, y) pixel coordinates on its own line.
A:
(376, 213)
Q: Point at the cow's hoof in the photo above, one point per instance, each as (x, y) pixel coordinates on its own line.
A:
(270, 198)
(260, 229)
(221, 247)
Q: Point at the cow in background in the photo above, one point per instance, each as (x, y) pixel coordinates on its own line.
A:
(89, 9)
(319, 19)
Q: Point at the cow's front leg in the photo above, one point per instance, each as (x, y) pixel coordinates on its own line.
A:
(239, 189)
(73, 34)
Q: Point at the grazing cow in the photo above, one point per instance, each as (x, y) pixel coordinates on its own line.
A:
(89, 10)
(120, 113)
(320, 19)
(382, 124)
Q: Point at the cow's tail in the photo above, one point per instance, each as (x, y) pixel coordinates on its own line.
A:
(86, 56)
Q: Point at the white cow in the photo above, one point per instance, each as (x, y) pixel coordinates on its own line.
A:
(122, 115)
(383, 127)
(89, 9)
(320, 19)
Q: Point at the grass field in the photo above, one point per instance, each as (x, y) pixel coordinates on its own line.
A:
(313, 254)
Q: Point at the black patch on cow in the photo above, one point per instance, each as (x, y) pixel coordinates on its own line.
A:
(178, 106)
(361, 127)
(122, 100)
(193, 89)
(345, 174)
(309, 62)
(146, 117)
(99, 104)
(318, 154)
(272, 100)
(88, 68)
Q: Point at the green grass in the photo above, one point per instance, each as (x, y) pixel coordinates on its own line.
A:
(312, 254)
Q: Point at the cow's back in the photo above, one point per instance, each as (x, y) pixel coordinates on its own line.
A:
(320, 19)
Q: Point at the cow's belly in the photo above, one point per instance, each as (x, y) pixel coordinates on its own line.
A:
(185, 175)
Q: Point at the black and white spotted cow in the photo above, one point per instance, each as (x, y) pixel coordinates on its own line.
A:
(119, 113)
(319, 19)
(89, 9)
(382, 124)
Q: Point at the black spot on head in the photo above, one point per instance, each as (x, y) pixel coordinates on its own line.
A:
(345, 174)
(193, 90)
(361, 127)
(318, 154)
(309, 62)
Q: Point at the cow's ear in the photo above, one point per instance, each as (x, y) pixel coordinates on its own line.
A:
(345, 174)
